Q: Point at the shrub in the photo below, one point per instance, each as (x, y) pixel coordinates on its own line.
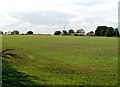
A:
(57, 32)
(29, 32)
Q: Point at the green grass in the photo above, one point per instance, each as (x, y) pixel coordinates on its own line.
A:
(64, 60)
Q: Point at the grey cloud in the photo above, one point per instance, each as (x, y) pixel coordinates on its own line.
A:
(43, 18)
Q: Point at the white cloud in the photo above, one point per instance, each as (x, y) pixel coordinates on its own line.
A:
(46, 16)
(43, 17)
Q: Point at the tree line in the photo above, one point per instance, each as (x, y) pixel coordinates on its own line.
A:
(15, 32)
(100, 31)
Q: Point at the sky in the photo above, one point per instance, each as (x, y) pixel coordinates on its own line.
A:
(48, 16)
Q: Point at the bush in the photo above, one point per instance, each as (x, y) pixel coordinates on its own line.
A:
(64, 32)
(71, 31)
(15, 32)
(57, 32)
(29, 32)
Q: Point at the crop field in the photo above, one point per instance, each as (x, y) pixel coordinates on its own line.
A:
(59, 60)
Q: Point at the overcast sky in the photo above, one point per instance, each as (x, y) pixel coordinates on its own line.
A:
(47, 16)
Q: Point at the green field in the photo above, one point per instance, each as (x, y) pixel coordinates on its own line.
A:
(59, 60)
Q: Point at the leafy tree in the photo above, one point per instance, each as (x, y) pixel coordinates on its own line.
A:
(30, 32)
(71, 31)
(15, 32)
(5, 32)
(1, 32)
(104, 31)
(91, 33)
(8, 32)
(115, 33)
(64, 32)
(97, 31)
(12, 33)
(22, 34)
(80, 32)
(57, 32)
(109, 32)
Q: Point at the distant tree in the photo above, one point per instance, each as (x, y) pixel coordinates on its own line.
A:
(5, 32)
(1, 32)
(80, 32)
(15, 32)
(115, 32)
(91, 33)
(22, 34)
(57, 32)
(8, 32)
(12, 33)
(104, 31)
(64, 32)
(97, 31)
(109, 32)
(29, 32)
(71, 31)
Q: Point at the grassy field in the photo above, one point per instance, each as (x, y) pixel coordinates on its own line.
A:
(59, 60)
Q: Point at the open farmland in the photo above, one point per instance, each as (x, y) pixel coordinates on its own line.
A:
(59, 60)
